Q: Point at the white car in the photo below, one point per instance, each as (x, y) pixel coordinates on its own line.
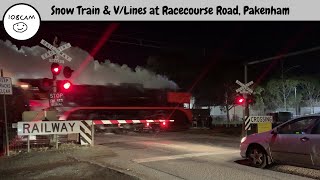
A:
(295, 142)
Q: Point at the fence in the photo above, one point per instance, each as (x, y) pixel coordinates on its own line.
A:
(227, 123)
(19, 143)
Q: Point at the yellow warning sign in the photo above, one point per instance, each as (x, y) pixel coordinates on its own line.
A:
(265, 126)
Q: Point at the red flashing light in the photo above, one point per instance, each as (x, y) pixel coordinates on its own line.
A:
(240, 100)
(147, 124)
(66, 85)
(164, 124)
(55, 69)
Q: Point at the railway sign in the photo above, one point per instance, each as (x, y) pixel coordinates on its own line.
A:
(244, 88)
(56, 99)
(264, 127)
(48, 127)
(256, 120)
(5, 86)
(56, 51)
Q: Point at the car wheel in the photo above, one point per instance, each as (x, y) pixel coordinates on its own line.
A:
(257, 157)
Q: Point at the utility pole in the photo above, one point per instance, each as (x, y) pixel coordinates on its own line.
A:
(295, 100)
(246, 112)
(54, 88)
(5, 121)
(54, 78)
(283, 88)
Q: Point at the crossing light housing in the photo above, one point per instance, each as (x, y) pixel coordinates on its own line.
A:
(251, 99)
(55, 69)
(240, 100)
(45, 84)
(66, 85)
(67, 72)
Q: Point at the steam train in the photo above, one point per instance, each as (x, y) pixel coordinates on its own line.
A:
(125, 101)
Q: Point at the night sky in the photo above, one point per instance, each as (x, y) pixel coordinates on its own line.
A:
(217, 47)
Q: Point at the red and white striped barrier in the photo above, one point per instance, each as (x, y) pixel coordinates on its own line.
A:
(129, 121)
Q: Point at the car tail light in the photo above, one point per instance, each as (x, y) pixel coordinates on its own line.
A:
(164, 124)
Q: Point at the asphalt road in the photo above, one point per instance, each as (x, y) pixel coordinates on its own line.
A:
(180, 155)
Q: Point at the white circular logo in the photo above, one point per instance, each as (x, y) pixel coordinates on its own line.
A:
(21, 21)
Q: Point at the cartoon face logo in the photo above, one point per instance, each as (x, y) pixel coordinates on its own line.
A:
(21, 21)
(20, 27)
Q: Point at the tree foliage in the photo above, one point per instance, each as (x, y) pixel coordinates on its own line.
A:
(259, 104)
(278, 92)
(311, 91)
(229, 98)
(289, 93)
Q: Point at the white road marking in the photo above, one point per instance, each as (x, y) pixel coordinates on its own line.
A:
(181, 156)
(189, 147)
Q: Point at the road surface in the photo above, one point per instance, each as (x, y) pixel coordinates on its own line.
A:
(180, 155)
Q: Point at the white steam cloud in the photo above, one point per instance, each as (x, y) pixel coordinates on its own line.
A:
(26, 62)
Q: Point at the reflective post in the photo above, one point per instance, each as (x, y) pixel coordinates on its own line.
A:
(28, 143)
(92, 133)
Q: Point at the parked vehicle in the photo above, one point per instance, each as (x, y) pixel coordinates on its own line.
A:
(280, 117)
(295, 142)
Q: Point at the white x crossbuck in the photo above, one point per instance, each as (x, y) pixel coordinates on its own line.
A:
(244, 87)
(55, 51)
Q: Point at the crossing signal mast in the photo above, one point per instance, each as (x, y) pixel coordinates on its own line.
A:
(55, 87)
(47, 84)
(245, 99)
(55, 70)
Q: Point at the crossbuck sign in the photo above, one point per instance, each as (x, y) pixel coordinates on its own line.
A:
(244, 88)
(55, 51)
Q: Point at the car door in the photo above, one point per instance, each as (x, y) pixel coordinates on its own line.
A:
(314, 148)
(290, 143)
